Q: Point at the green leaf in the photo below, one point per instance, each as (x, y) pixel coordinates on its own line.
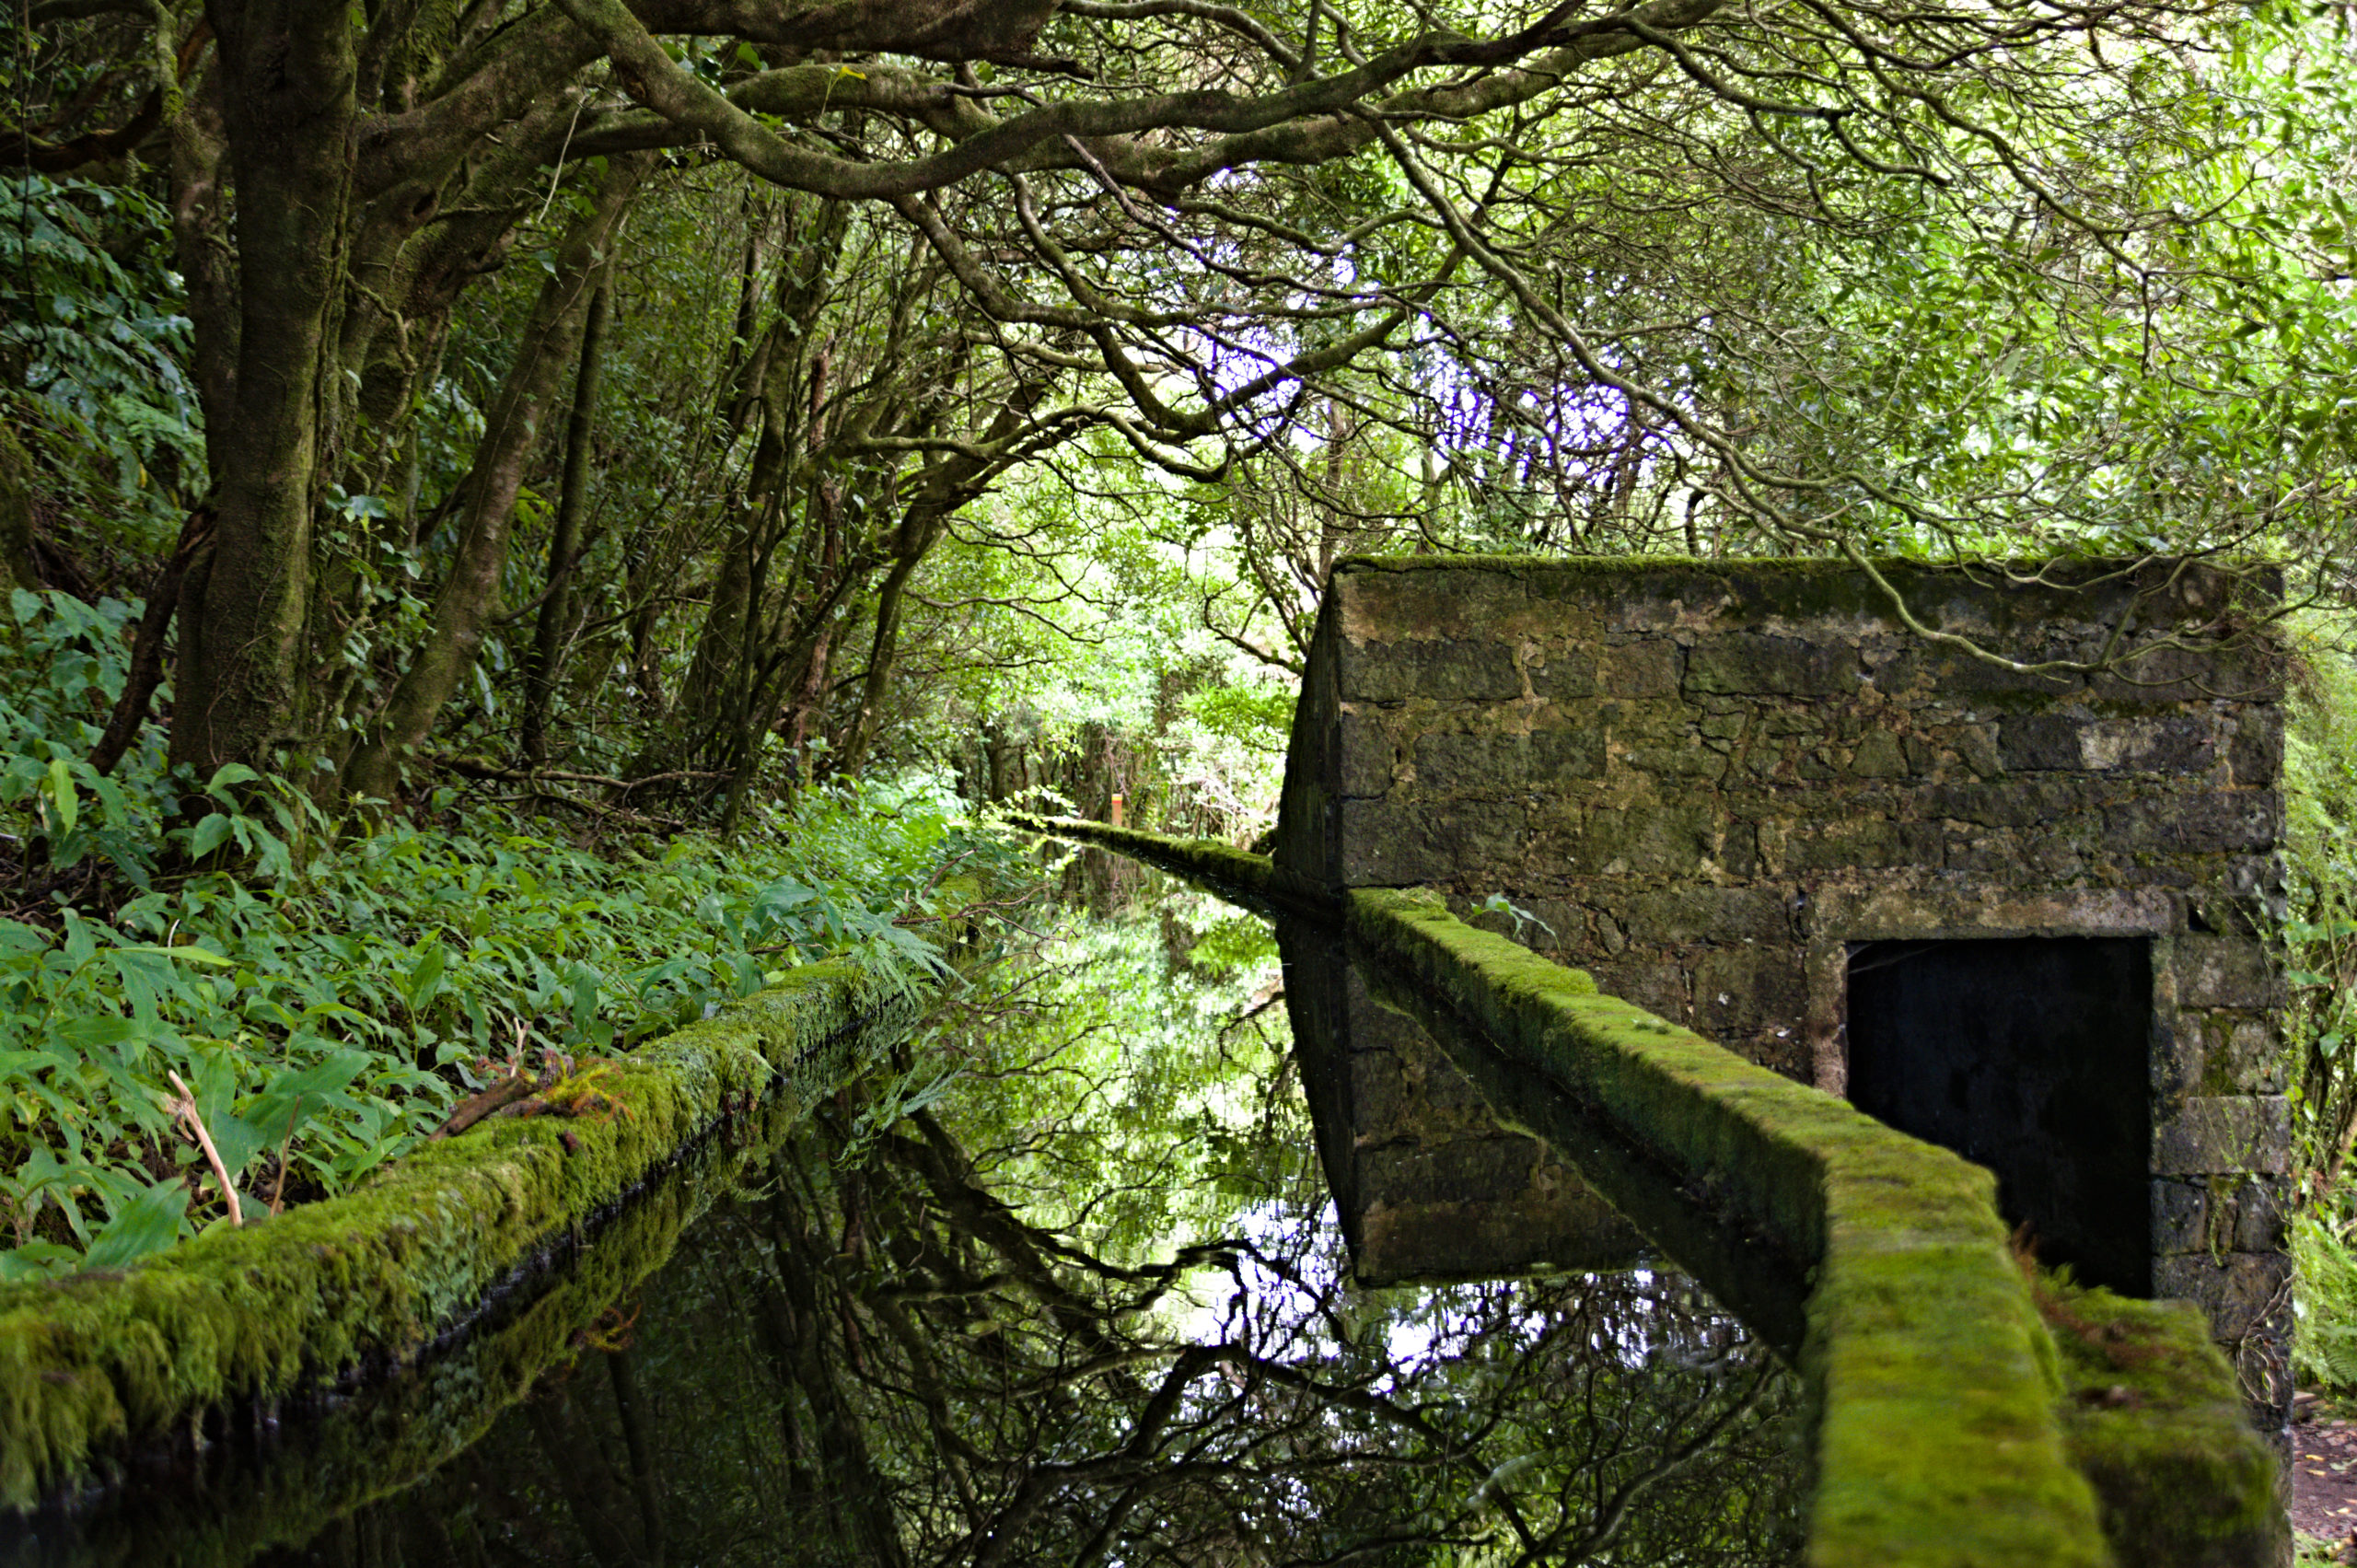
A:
(191, 955)
(293, 1100)
(37, 1261)
(426, 976)
(60, 792)
(210, 835)
(147, 1224)
(227, 774)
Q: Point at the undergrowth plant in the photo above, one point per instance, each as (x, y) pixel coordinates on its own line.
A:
(327, 993)
(2318, 933)
(2319, 930)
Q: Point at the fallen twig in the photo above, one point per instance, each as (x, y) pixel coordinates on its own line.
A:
(187, 1108)
(475, 1106)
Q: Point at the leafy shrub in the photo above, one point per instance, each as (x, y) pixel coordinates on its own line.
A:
(2324, 1332)
(91, 304)
(65, 662)
(2319, 930)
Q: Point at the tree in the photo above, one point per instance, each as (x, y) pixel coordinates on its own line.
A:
(1612, 278)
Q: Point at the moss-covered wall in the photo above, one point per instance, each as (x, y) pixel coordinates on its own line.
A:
(1964, 1416)
(280, 1483)
(1707, 780)
(103, 1361)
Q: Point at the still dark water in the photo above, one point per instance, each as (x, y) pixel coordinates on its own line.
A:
(1081, 1301)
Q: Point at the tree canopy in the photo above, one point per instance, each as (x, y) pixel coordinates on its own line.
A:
(659, 388)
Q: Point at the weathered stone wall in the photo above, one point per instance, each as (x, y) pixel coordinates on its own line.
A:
(1425, 1183)
(1709, 780)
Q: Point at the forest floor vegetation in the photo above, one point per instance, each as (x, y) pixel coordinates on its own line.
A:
(317, 993)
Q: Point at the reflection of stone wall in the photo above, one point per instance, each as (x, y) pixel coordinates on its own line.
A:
(1426, 1184)
(1708, 780)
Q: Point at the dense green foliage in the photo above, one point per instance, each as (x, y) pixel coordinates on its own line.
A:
(98, 329)
(2320, 938)
(329, 991)
(2320, 866)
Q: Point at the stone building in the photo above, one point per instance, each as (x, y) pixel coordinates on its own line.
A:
(2011, 910)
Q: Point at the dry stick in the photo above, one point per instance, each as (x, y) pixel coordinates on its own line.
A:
(475, 1106)
(188, 1108)
(278, 1191)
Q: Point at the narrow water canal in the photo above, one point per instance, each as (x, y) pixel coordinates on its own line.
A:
(1083, 1300)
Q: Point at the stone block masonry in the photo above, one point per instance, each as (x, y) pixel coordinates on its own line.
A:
(1423, 1183)
(1726, 788)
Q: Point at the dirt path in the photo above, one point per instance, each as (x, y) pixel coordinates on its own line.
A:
(2324, 1481)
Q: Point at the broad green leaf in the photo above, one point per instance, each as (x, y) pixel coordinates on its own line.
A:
(230, 773)
(424, 978)
(295, 1098)
(187, 955)
(37, 1261)
(147, 1225)
(60, 792)
(209, 835)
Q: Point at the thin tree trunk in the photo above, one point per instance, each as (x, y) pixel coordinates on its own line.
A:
(565, 542)
(510, 436)
(146, 671)
(720, 699)
(945, 486)
(643, 1478)
(884, 648)
(584, 1478)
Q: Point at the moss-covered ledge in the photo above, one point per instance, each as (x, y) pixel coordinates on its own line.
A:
(1950, 1428)
(1933, 1381)
(1232, 874)
(101, 1360)
(2154, 1416)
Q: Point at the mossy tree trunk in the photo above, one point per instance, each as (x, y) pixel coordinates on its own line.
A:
(289, 115)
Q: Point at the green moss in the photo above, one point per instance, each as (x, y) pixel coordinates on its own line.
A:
(284, 1492)
(2154, 1418)
(1802, 587)
(1232, 874)
(98, 1360)
(1933, 1389)
(1612, 566)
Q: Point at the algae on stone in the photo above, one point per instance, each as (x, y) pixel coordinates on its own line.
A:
(2154, 1418)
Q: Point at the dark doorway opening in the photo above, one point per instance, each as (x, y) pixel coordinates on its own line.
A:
(2029, 1056)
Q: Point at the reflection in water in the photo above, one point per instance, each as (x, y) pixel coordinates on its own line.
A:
(1087, 1304)
(886, 1366)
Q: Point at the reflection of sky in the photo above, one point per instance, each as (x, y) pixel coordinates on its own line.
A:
(1286, 1292)
(1420, 1327)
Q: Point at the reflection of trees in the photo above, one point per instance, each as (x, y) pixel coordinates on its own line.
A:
(875, 1360)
